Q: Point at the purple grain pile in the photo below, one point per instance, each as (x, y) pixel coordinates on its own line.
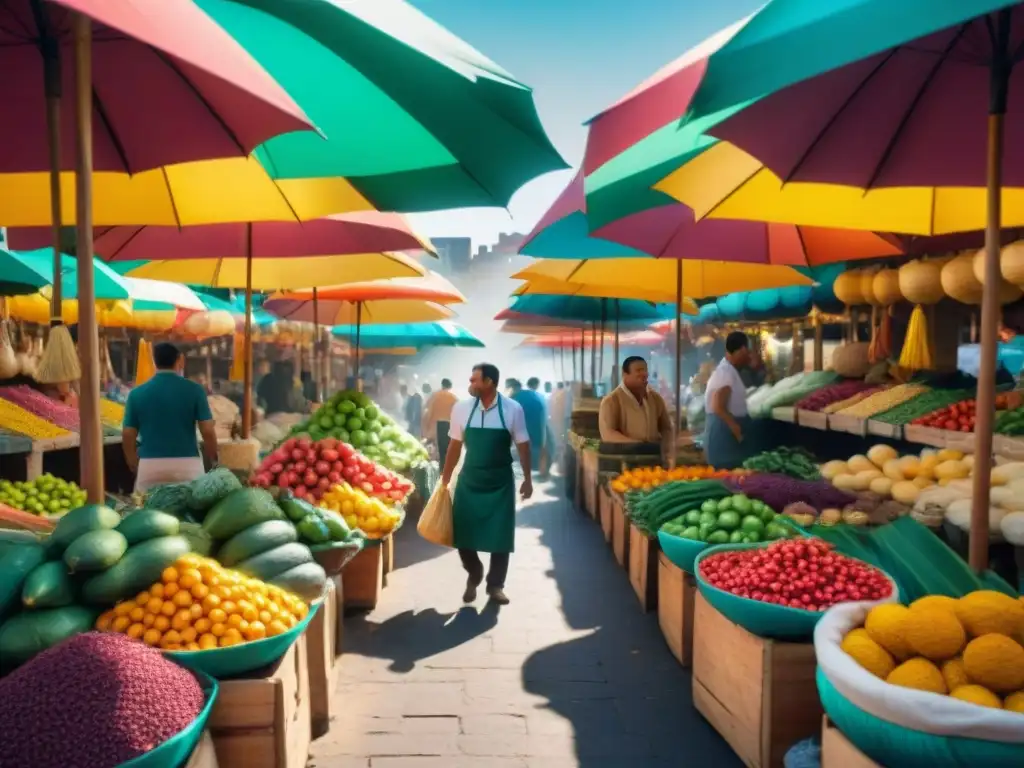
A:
(94, 701)
(779, 491)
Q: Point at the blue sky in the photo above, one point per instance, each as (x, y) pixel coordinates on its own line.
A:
(579, 56)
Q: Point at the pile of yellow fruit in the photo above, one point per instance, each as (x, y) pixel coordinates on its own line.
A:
(198, 605)
(645, 478)
(971, 648)
(367, 513)
(14, 418)
(111, 413)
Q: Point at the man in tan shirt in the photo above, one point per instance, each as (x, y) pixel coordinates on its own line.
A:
(437, 414)
(635, 413)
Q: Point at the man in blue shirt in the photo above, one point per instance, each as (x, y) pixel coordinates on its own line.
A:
(160, 420)
(536, 414)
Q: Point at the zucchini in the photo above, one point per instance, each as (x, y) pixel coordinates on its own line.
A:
(95, 551)
(32, 632)
(15, 566)
(269, 564)
(147, 524)
(140, 567)
(256, 540)
(93, 517)
(240, 510)
(48, 586)
(306, 580)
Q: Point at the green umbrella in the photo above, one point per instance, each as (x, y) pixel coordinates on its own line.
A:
(415, 118)
(25, 272)
(415, 335)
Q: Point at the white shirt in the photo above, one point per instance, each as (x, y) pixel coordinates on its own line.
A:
(515, 418)
(726, 375)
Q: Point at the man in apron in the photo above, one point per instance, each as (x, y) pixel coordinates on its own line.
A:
(484, 505)
(728, 427)
(164, 412)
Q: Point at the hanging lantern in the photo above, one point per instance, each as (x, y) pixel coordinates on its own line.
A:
(886, 287)
(1011, 263)
(847, 288)
(1007, 291)
(867, 287)
(921, 281)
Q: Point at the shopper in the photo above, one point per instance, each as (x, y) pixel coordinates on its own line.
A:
(160, 419)
(484, 506)
(437, 416)
(536, 418)
(727, 438)
(633, 412)
(413, 408)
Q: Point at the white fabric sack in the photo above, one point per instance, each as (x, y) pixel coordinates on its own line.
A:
(906, 707)
(436, 524)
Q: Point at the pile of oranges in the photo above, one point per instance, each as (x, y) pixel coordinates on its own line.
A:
(646, 478)
(198, 605)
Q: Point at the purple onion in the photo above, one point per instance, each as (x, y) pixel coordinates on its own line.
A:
(779, 491)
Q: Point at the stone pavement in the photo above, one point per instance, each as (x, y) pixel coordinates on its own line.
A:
(570, 674)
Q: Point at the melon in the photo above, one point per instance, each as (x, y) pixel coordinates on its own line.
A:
(893, 469)
(904, 492)
(860, 463)
(829, 470)
(881, 485)
(879, 454)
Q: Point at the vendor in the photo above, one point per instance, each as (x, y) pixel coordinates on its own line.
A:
(635, 413)
(728, 426)
(164, 413)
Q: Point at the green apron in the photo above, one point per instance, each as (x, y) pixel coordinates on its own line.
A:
(484, 507)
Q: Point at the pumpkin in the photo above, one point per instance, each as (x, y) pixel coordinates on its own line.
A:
(886, 287)
(1011, 263)
(847, 288)
(921, 281)
(1008, 291)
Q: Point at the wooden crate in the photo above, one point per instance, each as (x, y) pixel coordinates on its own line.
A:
(321, 640)
(620, 531)
(339, 617)
(590, 461)
(363, 578)
(387, 546)
(204, 755)
(643, 568)
(838, 752)
(263, 721)
(677, 593)
(577, 495)
(605, 507)
(759, 694)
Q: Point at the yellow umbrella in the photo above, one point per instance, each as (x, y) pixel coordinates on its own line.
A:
(382, 311)
(35, 308)
(282, 274)
(552, 287)
(700, 279)
(209, 192)
(725, 182)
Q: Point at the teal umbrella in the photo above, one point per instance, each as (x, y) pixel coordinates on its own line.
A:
(25, 272)
(236, 307)
(411, 115)
(587, 309)
(416, 335)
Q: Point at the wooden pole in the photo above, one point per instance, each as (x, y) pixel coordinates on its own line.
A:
(679, 364)
(314, 367)
(819, 344)
(247, 340)
(91, 429)
(604, 319)
(359, 324)
(593, 354)
(1000, 71)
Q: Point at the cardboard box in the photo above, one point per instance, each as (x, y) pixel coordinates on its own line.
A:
(838, 752)
(677, 595)
(620, 531)
(263, 721)
(759, 694)
(204, 756)
(321, 641)
(363, 578)
(605, 507)
(643, 568)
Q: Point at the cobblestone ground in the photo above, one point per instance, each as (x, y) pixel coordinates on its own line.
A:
(570, 674)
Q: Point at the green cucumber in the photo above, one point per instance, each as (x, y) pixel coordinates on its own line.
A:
(240, 510)
(147, 524)
(32, 632)
(15, 566)
(94, 517)
(269, 564)
(140, 567)
(48, 586)
(95, 551)
(306, 580)
(256, 540)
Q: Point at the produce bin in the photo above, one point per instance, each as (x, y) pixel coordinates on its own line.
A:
(321, 639)
(204, 755)
(838, 752)
(643, 567)
(387, 546)
(759, 694)
(605, 514)
(677, 593)
(590, 460)
(620, 530)
(263, 720)
(363, 578)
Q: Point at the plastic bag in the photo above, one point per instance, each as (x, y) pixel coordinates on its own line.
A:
(435, 523)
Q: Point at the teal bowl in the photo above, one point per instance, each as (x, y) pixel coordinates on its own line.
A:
(681, 552)
(777, 622)
(890, 744)
(235, 660)
(177, 750)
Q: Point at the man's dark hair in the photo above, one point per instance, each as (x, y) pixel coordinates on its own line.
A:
(514, 384)
(446, 383)
(736, 341)
(533, 382)
(489, 371)
(426, 389)
(630, 360)
(165, 355)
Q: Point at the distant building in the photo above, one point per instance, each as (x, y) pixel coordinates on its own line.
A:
(454, 253)
(508, 245)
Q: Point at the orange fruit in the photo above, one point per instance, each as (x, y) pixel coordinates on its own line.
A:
(227, 641)
(202, 626)
(229, 607)
(192, 647)
(151, 637)
(168, 609)
(157, 590)
(170, 590)
(148, 619)
(276, 627)
(135, 631)
(142, 598)
(234, 633)
(207, 641)
(104, 621)
(265, 617)
(161, 623)
(188, 635)
(190, 578)
(217, 616)
(218, 630)
(171, 636)
(137, 614)
(181, 620)
(199, 591)
(154, 605)
(123, 609)
(120, 623)
(234, 620)
(256, 631)
(210, 602)
(183, 599)
(195, 611)
(169, 575)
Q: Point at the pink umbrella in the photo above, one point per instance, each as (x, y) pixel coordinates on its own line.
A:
(350, 233)
(168, 86)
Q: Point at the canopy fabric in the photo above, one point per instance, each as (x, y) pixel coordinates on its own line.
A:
(406, 335)
(169, 85)
(725, 182)
(281, 274)
(430, 287)
(348, 313)
(158, 294)
(581, 308)
(25, 272)
(701, 279)
(413, 116)
(613, 293)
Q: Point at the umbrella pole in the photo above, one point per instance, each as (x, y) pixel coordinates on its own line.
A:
(593, 355)
(990, 298)
(679, 362)
(604, 320)
(314, 367)
(615, 349)
(90, 450)
(359, 323)
(247, 340)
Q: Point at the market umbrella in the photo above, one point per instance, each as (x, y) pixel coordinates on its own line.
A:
(25, 272)
(410, 335)
(909, 103)
(413, 116)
